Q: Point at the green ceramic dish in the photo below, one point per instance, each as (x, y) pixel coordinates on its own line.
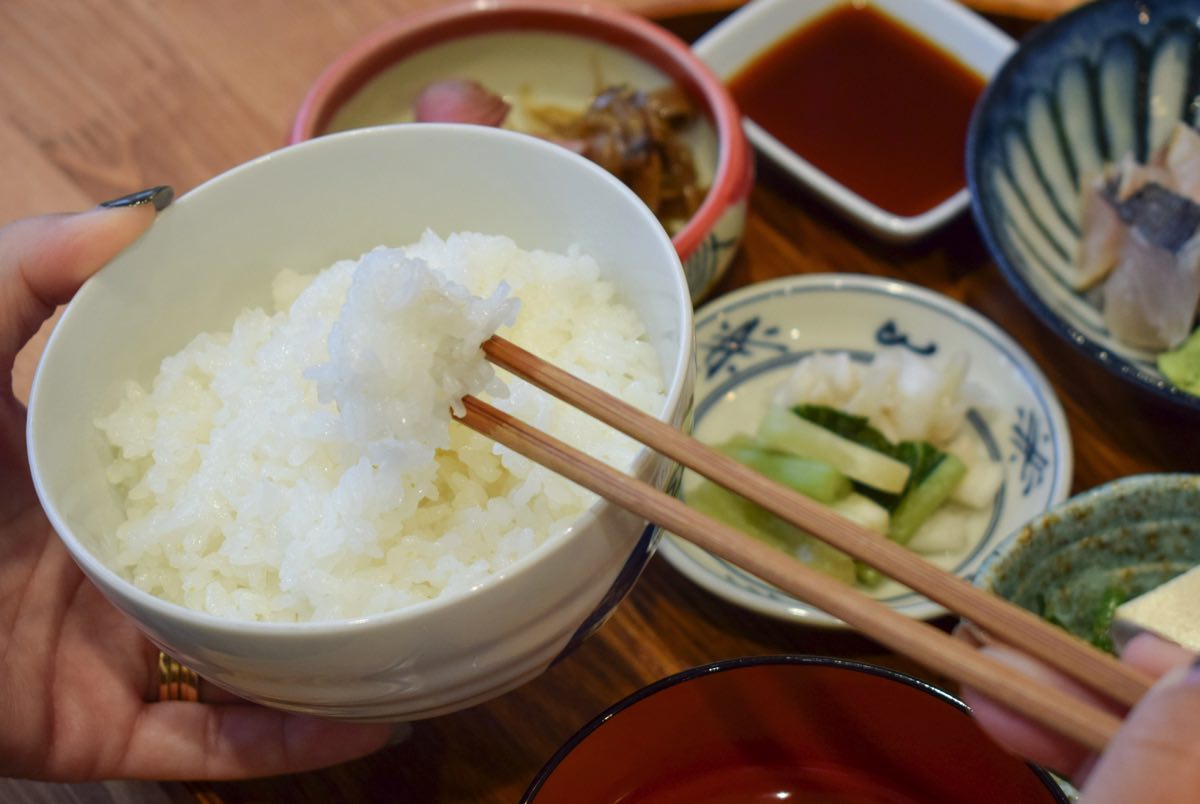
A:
(1074, 564)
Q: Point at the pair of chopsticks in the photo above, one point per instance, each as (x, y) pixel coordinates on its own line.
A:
(1003, 622)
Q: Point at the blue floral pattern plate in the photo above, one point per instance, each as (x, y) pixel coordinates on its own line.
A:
(748, 341)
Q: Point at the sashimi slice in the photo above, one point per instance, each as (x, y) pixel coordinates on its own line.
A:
(1150, 297)
(1182, 160)
(1103, 236)
(1165, 219)
(1132, 176)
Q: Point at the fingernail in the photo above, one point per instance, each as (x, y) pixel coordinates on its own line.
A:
(160, 196)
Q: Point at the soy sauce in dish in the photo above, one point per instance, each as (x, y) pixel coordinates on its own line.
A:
(868, 101)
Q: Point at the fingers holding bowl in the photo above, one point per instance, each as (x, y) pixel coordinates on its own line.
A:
(217, 735)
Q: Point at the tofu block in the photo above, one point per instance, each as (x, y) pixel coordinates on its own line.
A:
(1172, 611)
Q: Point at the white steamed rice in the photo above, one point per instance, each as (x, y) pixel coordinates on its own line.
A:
(303, 466)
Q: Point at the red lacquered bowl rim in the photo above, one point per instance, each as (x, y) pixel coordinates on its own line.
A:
(351, 70)
(728, 665)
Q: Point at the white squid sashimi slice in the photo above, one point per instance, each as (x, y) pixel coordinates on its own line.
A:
(1150, 298)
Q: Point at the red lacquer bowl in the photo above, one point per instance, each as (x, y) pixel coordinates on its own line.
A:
(554, 52)
(788, 729)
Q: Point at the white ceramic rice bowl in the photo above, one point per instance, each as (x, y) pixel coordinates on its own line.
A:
(214, 253)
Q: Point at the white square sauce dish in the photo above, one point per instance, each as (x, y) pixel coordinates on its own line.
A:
(867, 102)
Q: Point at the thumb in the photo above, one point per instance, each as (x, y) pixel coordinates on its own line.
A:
(1156, 755)
(44, 260)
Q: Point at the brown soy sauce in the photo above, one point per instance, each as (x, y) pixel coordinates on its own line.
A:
(870, 102)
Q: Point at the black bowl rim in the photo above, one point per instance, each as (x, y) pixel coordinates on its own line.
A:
(754, 661)
(1126, 370)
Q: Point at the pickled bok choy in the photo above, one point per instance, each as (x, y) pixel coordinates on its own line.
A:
(882, 444)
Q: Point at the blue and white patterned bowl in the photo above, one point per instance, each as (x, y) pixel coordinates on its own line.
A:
(1107, 79)
(748, 342)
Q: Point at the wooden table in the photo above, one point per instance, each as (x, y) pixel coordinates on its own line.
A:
(101, 97)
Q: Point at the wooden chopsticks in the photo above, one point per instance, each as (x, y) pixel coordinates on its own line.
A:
(1001, 620)
(922, 642)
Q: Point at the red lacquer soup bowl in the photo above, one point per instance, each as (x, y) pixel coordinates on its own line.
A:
(793, 729)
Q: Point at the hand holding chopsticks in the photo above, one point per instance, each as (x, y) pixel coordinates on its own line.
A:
(924, 643)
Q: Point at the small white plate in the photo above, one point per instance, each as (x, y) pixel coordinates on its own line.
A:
(748, 341)
(755, 28)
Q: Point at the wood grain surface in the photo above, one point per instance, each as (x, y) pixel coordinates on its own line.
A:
(102, 97)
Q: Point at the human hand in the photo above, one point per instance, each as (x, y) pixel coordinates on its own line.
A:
(1154, 757)
(78, 682)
